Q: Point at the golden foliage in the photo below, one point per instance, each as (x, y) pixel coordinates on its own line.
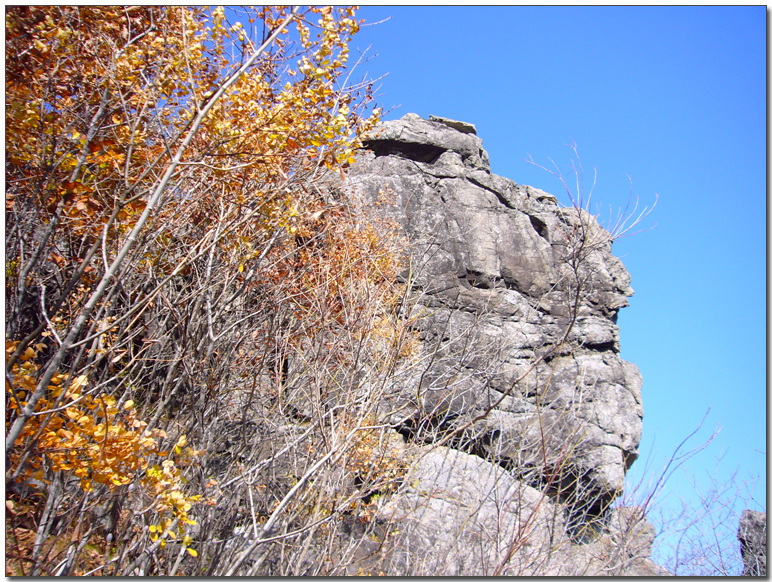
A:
(96, 439)
(157, 197)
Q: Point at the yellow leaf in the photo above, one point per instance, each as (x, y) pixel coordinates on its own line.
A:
(78, 383)
(128, 405)
(192, 552)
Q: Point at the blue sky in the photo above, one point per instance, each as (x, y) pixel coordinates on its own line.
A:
(675, 97)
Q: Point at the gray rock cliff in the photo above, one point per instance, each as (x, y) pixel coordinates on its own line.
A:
(519, 376)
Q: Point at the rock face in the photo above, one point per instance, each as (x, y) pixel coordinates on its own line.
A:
(519, 375)
(753, 542)
(463, 516)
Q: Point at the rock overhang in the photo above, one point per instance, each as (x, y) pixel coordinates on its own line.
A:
(421, 140)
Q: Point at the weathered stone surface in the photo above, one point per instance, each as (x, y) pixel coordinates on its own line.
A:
(417, 139)
(500, 266)
(519, 371)
(520, 368)
(460, 515)
(461, 126)
(753, 542)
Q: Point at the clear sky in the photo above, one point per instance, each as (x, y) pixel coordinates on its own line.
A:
(675, 97)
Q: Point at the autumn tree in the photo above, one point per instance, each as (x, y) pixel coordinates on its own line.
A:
(180, 262)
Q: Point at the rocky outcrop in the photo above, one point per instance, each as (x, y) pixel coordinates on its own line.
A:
(459, 515)
(753, 542)
(519, 375)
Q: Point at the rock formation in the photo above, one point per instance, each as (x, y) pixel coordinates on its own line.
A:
(753, 542)
(525, 415)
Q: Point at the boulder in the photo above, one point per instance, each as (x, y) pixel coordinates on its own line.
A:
(753, 542)
(459, 515)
